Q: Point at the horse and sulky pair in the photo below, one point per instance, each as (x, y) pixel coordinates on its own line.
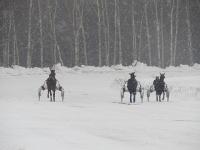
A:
(51, 84)
(133, 86)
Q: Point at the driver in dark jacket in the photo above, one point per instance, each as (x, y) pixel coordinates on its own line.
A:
(53, 73)
(155, 82)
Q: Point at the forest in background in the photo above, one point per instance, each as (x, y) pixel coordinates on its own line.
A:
(40, 33)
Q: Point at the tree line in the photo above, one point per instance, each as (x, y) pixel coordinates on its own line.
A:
(99, 32)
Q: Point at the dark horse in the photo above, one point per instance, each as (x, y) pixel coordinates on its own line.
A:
(132, 87)
(160, 87)
(51, 87)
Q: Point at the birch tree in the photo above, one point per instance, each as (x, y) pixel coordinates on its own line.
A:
(83, 32)
(15, 47)
(99, 32)
(162, 36)
(29, 35)
(189, 33)
(115, 34)
(79, 30)
(54, 32)
(41, 35)
(158, 32)
(14, 35)
(171, 33)
(56, 46)
(119, 33)
(9, 36)
(133, 31)
(176, 32)
(5, 38)
(104, 27)
(107, 33)
(76, 32)
(147, 31)
(140, 39)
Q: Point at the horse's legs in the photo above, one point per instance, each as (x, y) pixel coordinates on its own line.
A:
(159, 98)
(134, 98)
(130, 97)
(50, 95)
(54, 95)
(163, 95)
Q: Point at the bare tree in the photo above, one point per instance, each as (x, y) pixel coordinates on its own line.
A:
(9, 35)
(56, 47)
(6, 21)
(162, 36)
(41, 35)
(189, 33)
(104, 27)
(83, 33)
(15, 47)
(99, 32)
(176, 32)
(140, 39)
(79, 30)
(107, 34)
(147, 31)
(29, 35)
(119, 33)
(54, 32)
(133, 31)
(59, 55)
(158, 33)
(115, 38)
(52, 46)
(171, 33)
(76, 34)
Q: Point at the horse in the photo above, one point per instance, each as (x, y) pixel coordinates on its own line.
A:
(51, 84)
(160, 88)
(139, 89)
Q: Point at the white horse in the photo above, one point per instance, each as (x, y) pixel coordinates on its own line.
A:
(45, 87)
(124, 89)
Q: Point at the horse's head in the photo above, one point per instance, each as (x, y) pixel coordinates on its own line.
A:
(162, 76)
(132, 75)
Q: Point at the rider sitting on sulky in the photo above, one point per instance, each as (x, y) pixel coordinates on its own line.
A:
(155, 82)
(53, 73)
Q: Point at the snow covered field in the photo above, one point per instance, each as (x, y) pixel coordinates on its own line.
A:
(91, 116)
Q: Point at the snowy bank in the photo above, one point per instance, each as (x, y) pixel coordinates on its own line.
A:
(139, 68)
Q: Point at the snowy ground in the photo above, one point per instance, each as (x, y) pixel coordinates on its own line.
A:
(91, 116)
